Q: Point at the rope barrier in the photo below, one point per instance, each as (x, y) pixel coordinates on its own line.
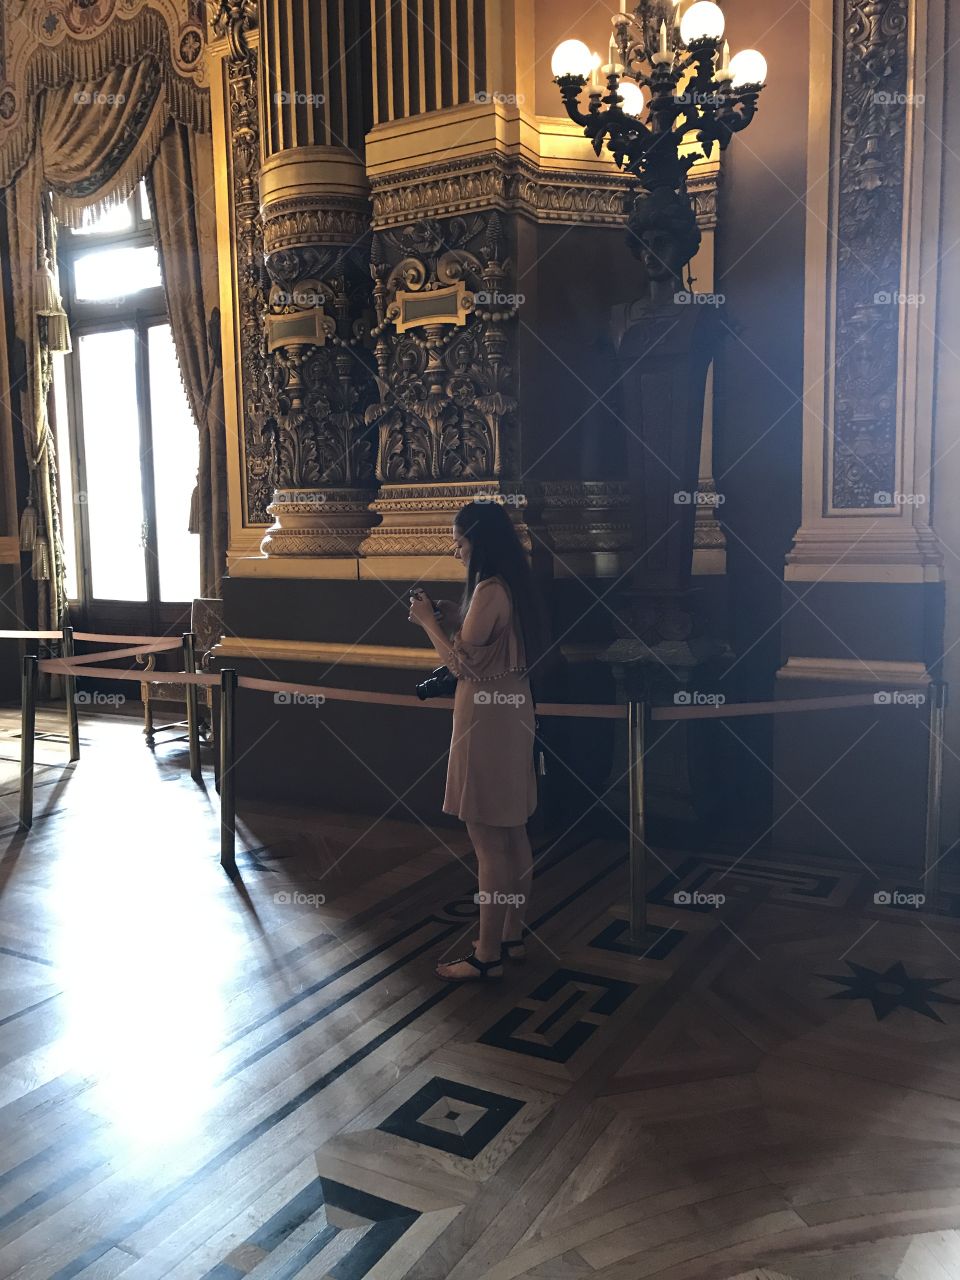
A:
(134, 651)
(784, 707)
(32, 635)
(64, 666)
(638, 715)
(93, 637)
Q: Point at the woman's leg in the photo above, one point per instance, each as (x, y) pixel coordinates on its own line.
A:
(521, 857)
(496, 878)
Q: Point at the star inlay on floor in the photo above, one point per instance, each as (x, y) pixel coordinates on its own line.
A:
(892, 989)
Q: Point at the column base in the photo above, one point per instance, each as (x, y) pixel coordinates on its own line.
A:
(417, 519)
(587, 525)
(318, 522)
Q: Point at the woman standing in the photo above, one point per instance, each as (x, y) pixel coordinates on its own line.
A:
(489, 645)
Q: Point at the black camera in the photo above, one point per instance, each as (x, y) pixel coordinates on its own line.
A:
(440, 683)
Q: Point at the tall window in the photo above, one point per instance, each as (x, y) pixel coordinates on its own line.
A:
(127, 442)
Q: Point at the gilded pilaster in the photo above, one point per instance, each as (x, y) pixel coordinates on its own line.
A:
(870, 294)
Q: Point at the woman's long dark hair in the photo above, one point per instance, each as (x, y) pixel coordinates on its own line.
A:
(495, 550)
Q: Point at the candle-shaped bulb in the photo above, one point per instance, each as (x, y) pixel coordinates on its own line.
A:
(725, 65)
(663, 37)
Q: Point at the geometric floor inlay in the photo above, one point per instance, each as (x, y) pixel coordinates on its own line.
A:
(615, 937)
(572, 1006)
(340, 1230)
(706, 875)
(452, 1117)
(891, 989)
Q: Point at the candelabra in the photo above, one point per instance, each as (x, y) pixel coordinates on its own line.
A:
(672, 93)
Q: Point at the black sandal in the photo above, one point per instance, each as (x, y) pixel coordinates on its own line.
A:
(507, 948)
(483, 968)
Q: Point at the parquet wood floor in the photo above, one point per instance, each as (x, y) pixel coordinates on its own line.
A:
(209, 1081)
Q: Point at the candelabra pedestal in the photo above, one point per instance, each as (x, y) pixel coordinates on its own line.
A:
(665, 652)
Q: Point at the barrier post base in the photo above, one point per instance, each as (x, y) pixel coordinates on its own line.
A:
(28, 728)
(639, 937)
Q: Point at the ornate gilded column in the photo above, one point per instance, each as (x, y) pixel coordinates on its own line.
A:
(290, 105)
(443, 271)
(318, 378)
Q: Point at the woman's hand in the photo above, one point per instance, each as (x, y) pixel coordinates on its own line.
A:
(421, 608)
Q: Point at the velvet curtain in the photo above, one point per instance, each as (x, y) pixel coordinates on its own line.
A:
(180, 185)
(95, 141)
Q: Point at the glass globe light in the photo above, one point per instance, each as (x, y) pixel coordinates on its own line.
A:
(634, 103)
(572, 58)
(748, 67)
(702, 21)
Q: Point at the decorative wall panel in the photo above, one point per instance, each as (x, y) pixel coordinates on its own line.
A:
(872, 112)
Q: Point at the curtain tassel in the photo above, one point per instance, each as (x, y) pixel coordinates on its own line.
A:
(28, 526)
(47, 300)
(41, 561)
(193, 523)
(58, 333)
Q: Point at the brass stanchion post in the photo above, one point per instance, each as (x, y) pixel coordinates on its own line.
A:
(70, 695)
(931, 852)
(193, 719)
(637, 726)
(28, 726)
(228, 807)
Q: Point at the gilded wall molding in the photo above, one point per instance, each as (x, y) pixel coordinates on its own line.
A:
(572, 197)
(250, 274)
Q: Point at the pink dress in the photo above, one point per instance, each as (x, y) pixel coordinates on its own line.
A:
(490, 774)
